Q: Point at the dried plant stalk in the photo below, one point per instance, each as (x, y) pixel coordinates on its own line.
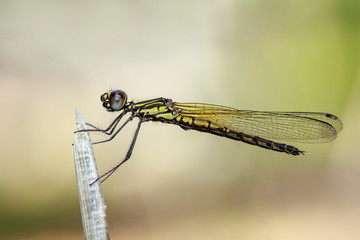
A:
(92, 204)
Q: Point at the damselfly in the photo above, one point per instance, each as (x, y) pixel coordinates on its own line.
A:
(252, 127)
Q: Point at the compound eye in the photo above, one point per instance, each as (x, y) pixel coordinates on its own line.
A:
(117, 100)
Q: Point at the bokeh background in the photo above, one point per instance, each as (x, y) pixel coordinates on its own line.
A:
(277, 55)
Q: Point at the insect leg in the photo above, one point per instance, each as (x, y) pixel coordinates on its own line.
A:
(112, 126)
(114, 135)
(128, 155)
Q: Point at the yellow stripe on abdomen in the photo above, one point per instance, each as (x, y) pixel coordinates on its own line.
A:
(217, 129)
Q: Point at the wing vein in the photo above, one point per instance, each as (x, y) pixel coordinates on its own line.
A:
(306, 127)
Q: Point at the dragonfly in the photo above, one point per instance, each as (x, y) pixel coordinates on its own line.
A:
(259, 128)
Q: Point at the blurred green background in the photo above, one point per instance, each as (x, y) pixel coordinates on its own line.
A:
(261, 55)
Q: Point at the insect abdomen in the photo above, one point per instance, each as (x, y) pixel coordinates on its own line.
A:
(213, 128)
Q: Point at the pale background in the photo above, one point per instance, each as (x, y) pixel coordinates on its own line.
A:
(260, 55)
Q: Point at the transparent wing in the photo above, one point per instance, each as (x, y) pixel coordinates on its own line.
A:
(305, 127)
